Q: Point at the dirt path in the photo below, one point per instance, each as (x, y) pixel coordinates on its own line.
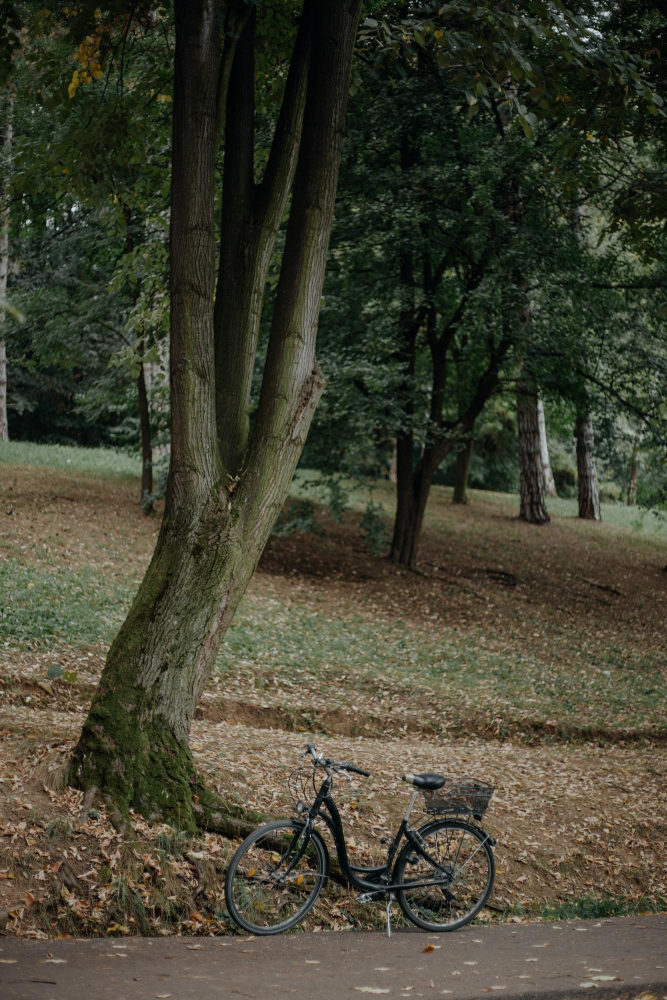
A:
(620, 958)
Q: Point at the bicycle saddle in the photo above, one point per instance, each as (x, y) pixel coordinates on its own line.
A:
(427, 781)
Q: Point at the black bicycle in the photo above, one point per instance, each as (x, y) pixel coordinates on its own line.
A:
(441, 873)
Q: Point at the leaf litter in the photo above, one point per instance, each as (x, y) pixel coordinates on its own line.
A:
(573, 819)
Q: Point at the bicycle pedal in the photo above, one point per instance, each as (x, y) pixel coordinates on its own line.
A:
(368, 897)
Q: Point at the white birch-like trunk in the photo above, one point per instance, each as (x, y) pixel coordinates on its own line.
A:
(549, 483)
(634, 466)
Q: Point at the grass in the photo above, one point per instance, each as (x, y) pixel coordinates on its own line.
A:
(640, 523)
(106, 462)
(299, 657)
(594, 908)
(74, 608)
(467, 654)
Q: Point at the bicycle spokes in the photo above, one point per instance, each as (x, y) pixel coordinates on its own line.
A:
(457, 868)
(273, 880)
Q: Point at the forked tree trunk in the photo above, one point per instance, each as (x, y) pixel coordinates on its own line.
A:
(589, 494)
(250, 220)
(4, 262)
(134, 744)
(462, 471)
(549, 483)
(146, 439)
(634, 466)
(533, 492)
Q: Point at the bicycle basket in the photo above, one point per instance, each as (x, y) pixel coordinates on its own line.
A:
(460, 796)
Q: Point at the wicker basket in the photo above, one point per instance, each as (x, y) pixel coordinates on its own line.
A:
(460, 796)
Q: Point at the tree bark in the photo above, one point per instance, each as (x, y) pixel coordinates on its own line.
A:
(589, 494)
(391, 473)
(250, 221)
(463, 460)
(146, 440)
(634, 466)
(533, 491)
(549, 483)
(4, 261)
(134, 743)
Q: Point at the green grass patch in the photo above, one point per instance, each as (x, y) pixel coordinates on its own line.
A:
(312, 658)
(307, 484)
(593, 908)
(74, 608)
(106, 462)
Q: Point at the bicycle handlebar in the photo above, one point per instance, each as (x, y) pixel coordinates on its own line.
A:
(311, 749)
(354, 769)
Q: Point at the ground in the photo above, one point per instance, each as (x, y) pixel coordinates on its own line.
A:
(530, 657)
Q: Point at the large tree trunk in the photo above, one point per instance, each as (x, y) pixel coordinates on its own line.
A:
(533, 492)
(589, 494)
(634, 466)
(134, 744)
(412, 494)
(146, 439)
(549, 483)
(4, 262)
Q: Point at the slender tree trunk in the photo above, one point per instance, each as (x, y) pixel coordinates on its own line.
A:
(634, 466)
(391, 475)
(146, 441)
(589, 494)
(533, 492)
(4, 262)
(134, 744)
(549, 483)
(463, 460)
(401, 546)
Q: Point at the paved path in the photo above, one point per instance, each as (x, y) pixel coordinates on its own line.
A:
(532, 960)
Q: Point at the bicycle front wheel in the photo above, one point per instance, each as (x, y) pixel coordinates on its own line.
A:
(462, 870)
(275, 877)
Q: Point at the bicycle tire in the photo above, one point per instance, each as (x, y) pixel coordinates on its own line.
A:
(267, 896)
(417, 904)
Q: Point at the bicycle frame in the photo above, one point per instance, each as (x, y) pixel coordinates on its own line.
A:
(380, 873)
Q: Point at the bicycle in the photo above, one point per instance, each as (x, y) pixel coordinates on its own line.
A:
(442, 876)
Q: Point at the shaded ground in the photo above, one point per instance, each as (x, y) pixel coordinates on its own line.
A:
(614, 959)
(534, 658)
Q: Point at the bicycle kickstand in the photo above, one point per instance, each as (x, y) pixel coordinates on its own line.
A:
(390, 900)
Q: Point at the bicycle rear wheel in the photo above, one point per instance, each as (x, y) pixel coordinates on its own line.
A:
(275, 877)
(464, 867)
